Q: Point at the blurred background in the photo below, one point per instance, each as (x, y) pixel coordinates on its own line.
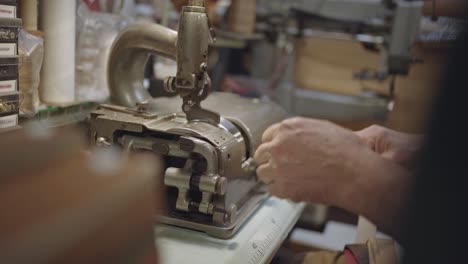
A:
(53, 74)
(260, 51)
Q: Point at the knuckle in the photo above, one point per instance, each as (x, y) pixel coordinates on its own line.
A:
(297, 120)
(284, 126)
(377, 131)
(382, 133)
(320, 124)
(264, 148)
(376, 128)
(292, 122)
(276, 148)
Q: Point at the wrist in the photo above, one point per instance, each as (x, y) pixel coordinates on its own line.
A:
(378, 189)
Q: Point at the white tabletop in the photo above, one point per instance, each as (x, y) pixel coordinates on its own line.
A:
(256, 242)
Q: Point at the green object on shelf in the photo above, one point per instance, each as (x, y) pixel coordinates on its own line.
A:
(52, 110)
(58, 116)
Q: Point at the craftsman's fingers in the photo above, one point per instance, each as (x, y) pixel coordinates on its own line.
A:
(373, 136)
(266, 173)
(366, 137)
(263, 154)
(271, 132)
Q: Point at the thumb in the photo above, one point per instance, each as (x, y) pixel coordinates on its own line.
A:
(366, 138)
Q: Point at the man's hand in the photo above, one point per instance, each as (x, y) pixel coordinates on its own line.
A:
(316, 161)
(304, 159)
(396, 146)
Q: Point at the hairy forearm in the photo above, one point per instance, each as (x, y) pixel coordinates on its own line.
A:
(391, 188)
(378, 189)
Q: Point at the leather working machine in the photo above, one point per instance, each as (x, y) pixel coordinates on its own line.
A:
(210, 177)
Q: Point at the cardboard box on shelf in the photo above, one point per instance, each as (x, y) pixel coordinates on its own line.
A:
(8, 74)
(415, 93)
(8, 8)
(9, 103)
(9, 2)
(8, 11)
(9, 109)
(9, 32)
(329, 65)
(8, 121)
(9, 29)
(242, 16)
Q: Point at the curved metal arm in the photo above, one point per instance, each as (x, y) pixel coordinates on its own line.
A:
(129, 56)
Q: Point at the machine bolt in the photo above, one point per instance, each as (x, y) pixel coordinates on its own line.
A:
(184, 83)
(161, 148)
(142, 107)
(203, 67)
(221, 186)
(186, 145)
(230, 213)
(169, 85)
(186, 108)
(102, 142)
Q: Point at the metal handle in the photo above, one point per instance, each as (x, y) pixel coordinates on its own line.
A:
(129, 56)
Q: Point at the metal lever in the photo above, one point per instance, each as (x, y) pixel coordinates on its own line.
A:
(189, 46)
(192, 82)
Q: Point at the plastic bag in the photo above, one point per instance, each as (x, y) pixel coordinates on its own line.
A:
(31, 52)
(96, 32)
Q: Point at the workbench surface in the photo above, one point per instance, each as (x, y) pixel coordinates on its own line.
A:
(256, 242)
